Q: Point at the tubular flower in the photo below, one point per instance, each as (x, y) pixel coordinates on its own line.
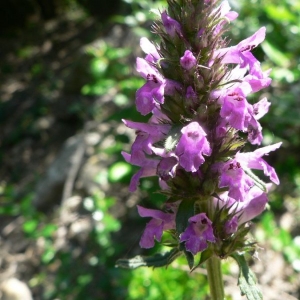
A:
(198, 233)
(160, 222)
(188, 60)
(191, 147)
(172, 27)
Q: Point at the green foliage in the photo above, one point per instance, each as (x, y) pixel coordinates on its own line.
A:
(142, 11)
(247, 280)
(171, 283)
(108, 71)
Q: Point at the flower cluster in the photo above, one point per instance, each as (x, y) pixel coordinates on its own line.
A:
(196, 95)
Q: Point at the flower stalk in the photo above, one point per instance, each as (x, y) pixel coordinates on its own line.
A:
(215, 278)
(195, 91)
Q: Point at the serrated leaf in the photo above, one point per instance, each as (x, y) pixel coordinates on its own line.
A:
(157, 260)
(247, 279)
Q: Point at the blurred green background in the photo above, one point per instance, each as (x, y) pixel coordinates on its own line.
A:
(67, 79)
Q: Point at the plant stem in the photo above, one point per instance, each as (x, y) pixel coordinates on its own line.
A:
(215, 280)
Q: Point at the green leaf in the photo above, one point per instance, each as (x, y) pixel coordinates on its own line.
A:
(247, 280)
(30, 226)
(185, 211)
(188, 255)
(48, 230)
(48, 255)
(279, 13)
(157, 260)
(99, 66)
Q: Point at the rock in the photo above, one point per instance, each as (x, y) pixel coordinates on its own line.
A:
(14, 289)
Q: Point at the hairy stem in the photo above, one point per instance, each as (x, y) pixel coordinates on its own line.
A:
(215, 280)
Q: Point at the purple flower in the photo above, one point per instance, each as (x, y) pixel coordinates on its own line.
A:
(148, 71)
(254, 128)
(198, 233)
(148, 168)
(235, 108)
(152, 92)
(253, 205)
(190, 93)
(167, 167)
(261, 108)
(160, 222)
(145, 100)
(191, 98)
(188, 60)
(225, 15)
(147, 135)
(231, 225)
(158, 117)
(257, 79)
(240, 54)
(253, 160)
(254, 132)
(234, 177)
(151, 51)
(192, 146)
(172, 27)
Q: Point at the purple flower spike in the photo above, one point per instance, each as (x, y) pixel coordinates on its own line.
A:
(198, 233)
(191, 147)
(160, 221)
(172, 26)
(188, 60)
(195, 93)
